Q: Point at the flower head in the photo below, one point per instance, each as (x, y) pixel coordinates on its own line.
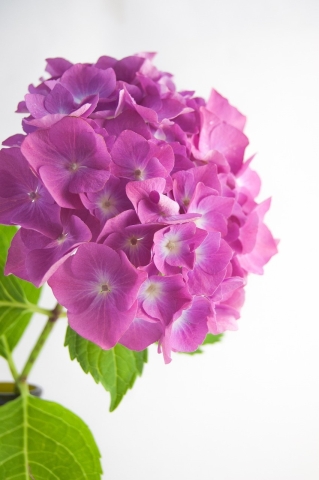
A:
(135, 203)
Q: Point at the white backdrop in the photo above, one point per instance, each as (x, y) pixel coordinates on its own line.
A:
(248, 408)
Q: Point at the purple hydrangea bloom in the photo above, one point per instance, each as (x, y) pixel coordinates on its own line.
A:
(135, 203)
(99, 288)
(42, 255)
(70, 158)
(24, 200)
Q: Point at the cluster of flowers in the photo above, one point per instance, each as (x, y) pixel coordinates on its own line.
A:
(134, 204)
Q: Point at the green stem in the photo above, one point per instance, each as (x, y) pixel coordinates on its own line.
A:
(54, 315)
(22, 387)
(30, 307)
(9, 358)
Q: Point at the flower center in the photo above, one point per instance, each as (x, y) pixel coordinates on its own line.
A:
(133, 241)
(33, 196)
(137, 173)
(106, 204)
(152, 290)
(73, 167)
(171, 246)
(61, 238)
(105, 288)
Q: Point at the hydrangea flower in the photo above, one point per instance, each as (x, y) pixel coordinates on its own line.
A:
(135, 203)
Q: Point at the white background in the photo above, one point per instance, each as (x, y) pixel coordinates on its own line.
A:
(248, 408)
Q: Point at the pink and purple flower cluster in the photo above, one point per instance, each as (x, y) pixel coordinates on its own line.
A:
(134, 203)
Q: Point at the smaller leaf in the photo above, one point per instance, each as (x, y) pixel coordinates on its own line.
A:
(43, 440)
(7, 233)
(116, 369)
(210, 338)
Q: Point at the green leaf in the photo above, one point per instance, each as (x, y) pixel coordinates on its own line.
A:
(42, 440)
(116, 369)
(6, 235)
(16, 296)
(210, 339)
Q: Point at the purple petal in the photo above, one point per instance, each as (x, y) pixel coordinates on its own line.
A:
(212, 258)
(57, 66)
(190, 329)
(141, 333)
(16, 258)
(59, 100)
(14, 140)
(222, 108)
(83, 81)
(126, 68)
(35, 105)
(136, 191)
(128, 120)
